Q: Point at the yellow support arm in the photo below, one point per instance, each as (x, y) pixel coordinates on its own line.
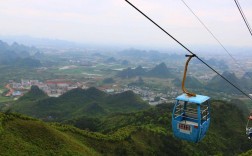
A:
(184, 78)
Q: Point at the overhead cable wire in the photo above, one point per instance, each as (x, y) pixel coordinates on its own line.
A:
(189, 50)
(243, 16)
(204, 25)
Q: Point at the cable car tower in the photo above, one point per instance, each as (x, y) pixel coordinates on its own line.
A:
(191, 113)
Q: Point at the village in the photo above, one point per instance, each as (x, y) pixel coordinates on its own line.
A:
(147, 94)
(57, 87)
(52, 88)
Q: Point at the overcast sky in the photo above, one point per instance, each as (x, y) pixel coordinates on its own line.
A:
(116, 22)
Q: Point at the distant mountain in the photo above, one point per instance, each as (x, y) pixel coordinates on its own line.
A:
(125, 62)
(129, 72)
(17, 55)
(138, 82)
(7, 55)
(152, 55)
(218, 84)
(77, 103)
(38, 55)
(21, 50)
(99, 55)
(28, 62)
(191, 82)
(160, 71)
(41, 42)
(245, 81)
(247, 75)
(220, 64)
(133, 53)
(34, 94)
(110, 60)
(108, 80)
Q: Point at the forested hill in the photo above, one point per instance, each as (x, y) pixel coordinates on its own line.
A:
(76, 103)
(145, 132)
(225, 136)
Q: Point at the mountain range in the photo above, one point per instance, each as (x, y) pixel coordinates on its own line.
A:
(218, 84)
(191, 82)
(159, 71)
(18, 55)
(220, 64)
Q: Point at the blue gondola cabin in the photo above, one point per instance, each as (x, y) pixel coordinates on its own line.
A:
(191, 117)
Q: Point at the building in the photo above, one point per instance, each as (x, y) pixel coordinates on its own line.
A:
(58, 83)
(17, 93)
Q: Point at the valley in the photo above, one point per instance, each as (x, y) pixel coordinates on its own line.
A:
(125, 78)
(110, 103)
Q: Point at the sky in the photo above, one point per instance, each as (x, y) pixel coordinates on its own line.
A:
(116, 22)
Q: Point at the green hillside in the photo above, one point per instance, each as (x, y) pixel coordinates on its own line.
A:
(76, 103)
(225, 136)
(34, 94)
(145, 132)
(25, 136)
(248, 153)
(21, 135)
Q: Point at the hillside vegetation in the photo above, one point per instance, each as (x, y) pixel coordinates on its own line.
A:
(145, 132)
(76, 103)
(26, 136)
(225, 136)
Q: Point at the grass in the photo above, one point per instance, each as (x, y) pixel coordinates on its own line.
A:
(5, 99)
(31, 137)
(145, 132)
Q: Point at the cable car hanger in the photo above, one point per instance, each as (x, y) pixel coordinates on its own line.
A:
(184, 77)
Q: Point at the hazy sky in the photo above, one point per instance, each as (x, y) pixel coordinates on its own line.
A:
(114, 21)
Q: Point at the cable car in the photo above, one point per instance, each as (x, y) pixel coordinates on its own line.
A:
(191, 114)
(249, 127)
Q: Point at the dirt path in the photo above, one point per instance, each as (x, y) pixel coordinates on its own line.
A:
(10, 90)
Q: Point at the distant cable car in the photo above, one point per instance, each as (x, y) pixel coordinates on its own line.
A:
(191, 114)
(249, 127)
